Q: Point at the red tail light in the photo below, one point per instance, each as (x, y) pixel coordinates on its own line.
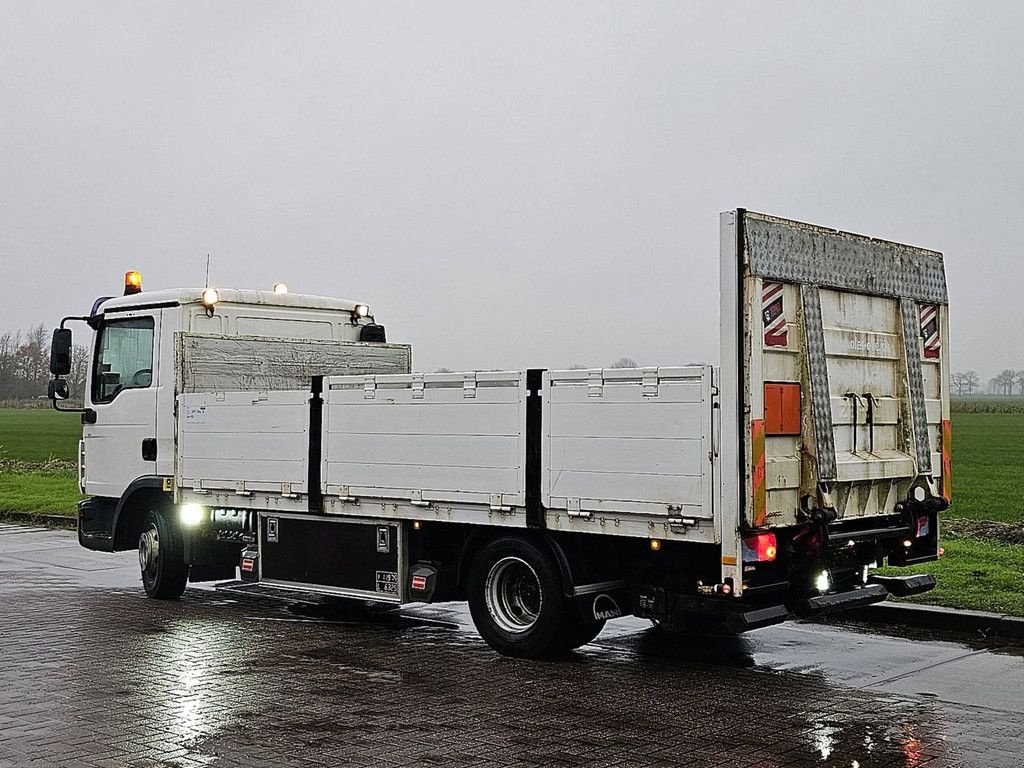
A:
(760, 548)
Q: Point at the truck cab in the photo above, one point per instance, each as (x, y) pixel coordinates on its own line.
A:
(147, 345)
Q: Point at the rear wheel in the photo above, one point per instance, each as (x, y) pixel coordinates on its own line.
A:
(516, 599)
(162, 557)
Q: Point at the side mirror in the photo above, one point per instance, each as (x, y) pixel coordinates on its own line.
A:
(60, 353)
(58, 389)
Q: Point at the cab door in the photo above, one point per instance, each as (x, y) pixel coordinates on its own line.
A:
(119, 426)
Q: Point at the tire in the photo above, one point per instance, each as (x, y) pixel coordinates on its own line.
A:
(515, 597)
(162, 557)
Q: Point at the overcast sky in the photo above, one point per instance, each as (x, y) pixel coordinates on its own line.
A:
(506, 184)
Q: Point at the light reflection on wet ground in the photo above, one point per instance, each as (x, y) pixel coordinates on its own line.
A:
(101, 676)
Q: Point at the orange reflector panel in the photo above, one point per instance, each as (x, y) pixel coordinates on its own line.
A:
(782, 409)
(947, 459)
(760, 492)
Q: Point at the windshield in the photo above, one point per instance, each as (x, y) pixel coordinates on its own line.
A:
(124, 358)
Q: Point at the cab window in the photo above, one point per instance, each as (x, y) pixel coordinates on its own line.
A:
(124, 358)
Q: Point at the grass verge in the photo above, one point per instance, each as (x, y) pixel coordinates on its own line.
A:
(977, 574)
(51, 492)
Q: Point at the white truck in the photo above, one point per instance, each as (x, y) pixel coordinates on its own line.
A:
(280, 434)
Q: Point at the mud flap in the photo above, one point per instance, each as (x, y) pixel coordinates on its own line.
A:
(762, 617)
(901, 586)
(823, 605)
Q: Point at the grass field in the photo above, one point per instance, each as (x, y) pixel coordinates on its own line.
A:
(988, 485)
(37, 455)
(36, 434)
(988, 466)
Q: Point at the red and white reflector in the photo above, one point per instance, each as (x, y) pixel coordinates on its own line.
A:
(419, 583)
(248, 564)
(930, 331)
(776, 330)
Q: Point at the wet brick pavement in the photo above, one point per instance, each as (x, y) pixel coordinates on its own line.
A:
(101, 676)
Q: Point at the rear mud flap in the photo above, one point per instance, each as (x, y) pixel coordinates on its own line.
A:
(823, 605)
(901, 586)
(755, 619)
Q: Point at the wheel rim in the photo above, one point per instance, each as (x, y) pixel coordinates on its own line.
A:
(513, 595)
(149, 551)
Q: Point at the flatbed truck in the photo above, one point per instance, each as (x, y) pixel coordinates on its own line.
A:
(280, 437)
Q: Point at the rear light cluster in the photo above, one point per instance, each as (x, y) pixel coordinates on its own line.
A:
(760, 548)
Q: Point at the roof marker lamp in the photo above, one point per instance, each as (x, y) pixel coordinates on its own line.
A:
(280, 289)
(191, 515)
(132, 283)
(359, 311)
(210, 298)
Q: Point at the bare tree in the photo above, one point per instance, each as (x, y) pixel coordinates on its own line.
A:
(972, 382)
(9, 343)
(1003, 383)
(25, 365)
(625, 362)
(79, 368)
(958, 380)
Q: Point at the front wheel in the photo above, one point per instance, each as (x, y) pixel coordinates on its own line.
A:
(516, 599)
(162, 557)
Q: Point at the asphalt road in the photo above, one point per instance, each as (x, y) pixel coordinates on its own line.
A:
(94, 674)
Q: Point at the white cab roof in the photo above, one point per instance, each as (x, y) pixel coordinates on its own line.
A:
(229, 296)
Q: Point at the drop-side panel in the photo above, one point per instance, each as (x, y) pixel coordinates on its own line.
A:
(243, 442)
(634, 444)
(425, 439)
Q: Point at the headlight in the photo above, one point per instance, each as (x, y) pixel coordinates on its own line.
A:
(191, 515)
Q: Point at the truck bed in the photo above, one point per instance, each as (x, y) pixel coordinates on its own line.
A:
(619, 451)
